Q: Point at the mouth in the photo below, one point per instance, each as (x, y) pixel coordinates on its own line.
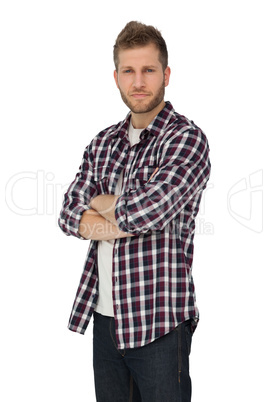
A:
(139, 96)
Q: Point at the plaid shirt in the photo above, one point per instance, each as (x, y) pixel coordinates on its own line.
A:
(153, 289)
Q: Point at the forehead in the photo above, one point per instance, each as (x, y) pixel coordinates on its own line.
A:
(139, 56)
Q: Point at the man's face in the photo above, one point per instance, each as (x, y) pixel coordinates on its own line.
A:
(140, 78)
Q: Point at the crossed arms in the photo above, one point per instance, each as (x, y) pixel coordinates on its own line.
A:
(99, 223)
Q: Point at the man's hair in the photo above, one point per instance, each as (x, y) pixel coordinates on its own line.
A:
(136, 34)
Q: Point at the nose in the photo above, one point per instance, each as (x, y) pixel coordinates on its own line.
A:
(138, 81)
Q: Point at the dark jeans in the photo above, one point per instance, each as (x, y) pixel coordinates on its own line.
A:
(157, 372)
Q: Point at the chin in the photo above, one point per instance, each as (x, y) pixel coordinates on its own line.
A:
(140, 109)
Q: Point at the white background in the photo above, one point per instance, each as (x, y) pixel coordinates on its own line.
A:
(57, 92)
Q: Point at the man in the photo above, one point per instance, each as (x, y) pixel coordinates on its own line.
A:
(136, 197)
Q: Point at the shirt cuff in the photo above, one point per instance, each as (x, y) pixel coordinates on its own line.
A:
(124, 220)
(70, 225)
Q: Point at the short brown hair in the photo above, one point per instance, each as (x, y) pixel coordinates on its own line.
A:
(136, 34)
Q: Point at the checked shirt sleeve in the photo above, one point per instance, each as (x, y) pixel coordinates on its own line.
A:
(77, 198)
(183, 173)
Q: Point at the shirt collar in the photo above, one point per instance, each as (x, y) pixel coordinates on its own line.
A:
(157, 124)
(162, 119)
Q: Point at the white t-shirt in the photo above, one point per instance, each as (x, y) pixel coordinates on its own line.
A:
(105, 249)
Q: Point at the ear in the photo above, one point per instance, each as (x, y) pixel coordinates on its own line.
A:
(116, 78)
(167, 73)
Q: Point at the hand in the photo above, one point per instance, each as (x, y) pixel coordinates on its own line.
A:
(104, 204)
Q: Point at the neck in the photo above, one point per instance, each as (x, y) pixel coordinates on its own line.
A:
(142, 120)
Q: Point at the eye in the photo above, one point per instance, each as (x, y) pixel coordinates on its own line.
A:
(149, 70)
(127, 71)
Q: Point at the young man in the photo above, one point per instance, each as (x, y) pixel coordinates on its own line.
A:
(136, 197)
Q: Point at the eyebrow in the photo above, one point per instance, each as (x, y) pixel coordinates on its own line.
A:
(128, 67)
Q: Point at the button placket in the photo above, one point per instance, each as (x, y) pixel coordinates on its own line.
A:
(115, 276)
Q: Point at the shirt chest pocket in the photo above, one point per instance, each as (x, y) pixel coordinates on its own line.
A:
(140, 176)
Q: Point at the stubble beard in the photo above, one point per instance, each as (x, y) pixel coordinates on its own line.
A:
(143, 107)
